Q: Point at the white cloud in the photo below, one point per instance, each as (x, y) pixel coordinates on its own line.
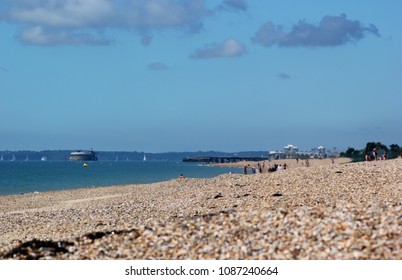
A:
(283, 76)
(229, 48)
(38, 36)
(146, 39)
(68, 13)
(331, 31)
(235, 5)
(157, 66)
(43, 19)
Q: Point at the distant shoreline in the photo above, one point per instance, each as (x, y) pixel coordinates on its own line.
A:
(290, 163)
(62, 155)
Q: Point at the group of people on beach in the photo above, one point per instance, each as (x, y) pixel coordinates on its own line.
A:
(261, 168)
(374, 155)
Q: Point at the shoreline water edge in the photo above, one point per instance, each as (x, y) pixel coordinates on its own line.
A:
(339, 210)
(22, 177)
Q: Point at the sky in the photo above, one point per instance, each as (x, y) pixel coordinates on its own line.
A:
(194, 75)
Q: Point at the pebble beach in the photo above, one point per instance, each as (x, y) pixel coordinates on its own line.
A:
(321, 212)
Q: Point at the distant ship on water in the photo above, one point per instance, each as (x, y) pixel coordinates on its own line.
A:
(83, 155)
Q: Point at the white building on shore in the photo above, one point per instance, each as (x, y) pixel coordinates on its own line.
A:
(292, 151)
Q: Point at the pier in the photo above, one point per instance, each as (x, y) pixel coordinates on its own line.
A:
(223, 159)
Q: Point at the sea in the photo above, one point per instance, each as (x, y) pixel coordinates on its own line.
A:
(20, 177)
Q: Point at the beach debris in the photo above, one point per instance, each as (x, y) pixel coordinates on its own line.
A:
(38, 249)
(244, 195)
(219, 195)
(277, 194)
(101, 234)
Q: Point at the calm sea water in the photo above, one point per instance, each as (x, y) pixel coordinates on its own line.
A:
(30, 176)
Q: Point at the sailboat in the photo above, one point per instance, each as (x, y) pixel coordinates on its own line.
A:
(13, 158)
(145, 158)
(1, 159)
(27, 158)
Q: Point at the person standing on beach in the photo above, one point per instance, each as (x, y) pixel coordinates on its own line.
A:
(245, 170)
(375, 153)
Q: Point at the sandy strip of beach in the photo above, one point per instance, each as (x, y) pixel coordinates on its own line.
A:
(325, 211)
(290, 163)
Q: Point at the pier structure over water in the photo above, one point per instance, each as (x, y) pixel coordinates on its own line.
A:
(223, 159)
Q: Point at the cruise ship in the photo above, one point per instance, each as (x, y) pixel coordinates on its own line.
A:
(83, 155)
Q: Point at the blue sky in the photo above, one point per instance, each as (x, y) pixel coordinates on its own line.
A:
(165, 75)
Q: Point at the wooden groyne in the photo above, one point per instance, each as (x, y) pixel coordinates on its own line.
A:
(223, 159)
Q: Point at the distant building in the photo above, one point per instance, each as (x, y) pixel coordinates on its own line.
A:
(276, 155)
(321, 151)
(292, 151)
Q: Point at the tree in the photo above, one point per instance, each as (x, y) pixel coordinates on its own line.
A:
(349, 152)
(369, 147)
(355, 155)
(394, 151)
(378, 145)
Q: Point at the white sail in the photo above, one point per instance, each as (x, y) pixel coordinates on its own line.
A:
(145, 158)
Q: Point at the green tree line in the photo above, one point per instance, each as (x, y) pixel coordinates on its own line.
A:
(392, 151)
